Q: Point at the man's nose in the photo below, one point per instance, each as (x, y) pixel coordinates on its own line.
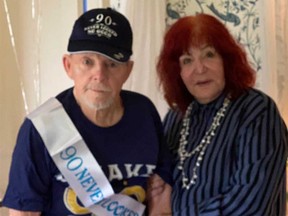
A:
(99, 72)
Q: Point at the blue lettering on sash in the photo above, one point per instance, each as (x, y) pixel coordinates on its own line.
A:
(74, 163)
(113, 206)
(87, 181)
(89, 184)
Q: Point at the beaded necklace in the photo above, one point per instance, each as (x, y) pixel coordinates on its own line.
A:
(201, 147)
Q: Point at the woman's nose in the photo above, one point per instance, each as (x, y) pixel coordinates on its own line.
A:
(199, 66)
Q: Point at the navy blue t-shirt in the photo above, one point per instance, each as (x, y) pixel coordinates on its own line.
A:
(128, 152)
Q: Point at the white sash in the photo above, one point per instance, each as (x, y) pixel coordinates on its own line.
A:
(77, 164)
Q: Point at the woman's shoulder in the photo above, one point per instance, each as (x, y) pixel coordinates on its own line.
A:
(252, 104)
(255, 98)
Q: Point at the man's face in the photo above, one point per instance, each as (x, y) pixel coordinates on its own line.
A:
(97, 79)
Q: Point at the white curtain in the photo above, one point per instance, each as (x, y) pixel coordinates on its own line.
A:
(281, 37)
(274, 79)
(147, 18)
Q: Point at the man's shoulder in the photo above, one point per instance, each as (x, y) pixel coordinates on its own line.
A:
(131, 96)
(65, 95)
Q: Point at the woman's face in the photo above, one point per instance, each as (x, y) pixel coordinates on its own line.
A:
(202, 72)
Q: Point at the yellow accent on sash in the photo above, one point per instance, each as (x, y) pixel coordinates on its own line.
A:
(137, 191)
(70, 200)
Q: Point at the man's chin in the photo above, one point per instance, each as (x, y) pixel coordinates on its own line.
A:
(100, 105)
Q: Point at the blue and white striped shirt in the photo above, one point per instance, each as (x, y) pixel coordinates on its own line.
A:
(243, 169)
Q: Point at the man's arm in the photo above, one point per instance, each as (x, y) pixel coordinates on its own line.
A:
(13, 212)
(159, 197)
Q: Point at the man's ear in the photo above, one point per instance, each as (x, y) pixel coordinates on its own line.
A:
(129, 68)
(130, 65)
(66, 60)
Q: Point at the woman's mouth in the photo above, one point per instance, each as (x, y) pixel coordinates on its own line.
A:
(203, 83)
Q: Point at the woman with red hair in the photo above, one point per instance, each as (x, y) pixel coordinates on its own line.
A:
(228, 139)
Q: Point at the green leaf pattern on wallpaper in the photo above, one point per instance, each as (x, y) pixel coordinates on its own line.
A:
(240, 16)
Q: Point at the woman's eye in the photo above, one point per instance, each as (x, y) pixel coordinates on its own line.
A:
(185, 61)
(210, 54)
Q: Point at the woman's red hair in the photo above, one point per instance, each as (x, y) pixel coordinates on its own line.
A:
(196, 31)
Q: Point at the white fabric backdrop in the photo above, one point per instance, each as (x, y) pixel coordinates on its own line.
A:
(147, 18)
(281, 57)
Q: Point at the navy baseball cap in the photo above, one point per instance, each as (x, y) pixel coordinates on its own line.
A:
(102, 30)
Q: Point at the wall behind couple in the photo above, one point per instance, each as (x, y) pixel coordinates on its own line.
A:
(34, 35)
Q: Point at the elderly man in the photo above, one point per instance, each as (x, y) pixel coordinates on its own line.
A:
(93, 147)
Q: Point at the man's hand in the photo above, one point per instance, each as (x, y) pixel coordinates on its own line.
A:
(158, 197)
(13, 212)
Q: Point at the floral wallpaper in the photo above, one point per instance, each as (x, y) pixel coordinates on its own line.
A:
(240, 16)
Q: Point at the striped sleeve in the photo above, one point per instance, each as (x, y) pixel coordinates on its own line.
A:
(257, 185)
